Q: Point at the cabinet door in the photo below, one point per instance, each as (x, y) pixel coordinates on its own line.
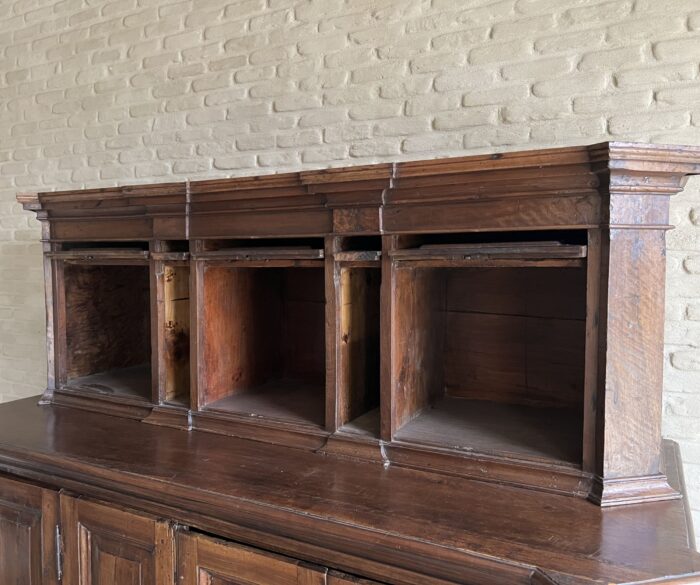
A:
(205, 560)
(108, 546)
(28, 529)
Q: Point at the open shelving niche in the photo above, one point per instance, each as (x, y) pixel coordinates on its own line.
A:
(357, 278)
(105, 303)
(263, 329)
(489, 341)
(488, 335)
(171, 270)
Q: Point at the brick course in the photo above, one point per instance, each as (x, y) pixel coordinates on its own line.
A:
(96, 92)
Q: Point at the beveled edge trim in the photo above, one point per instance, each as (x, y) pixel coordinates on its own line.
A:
(169, 415)
(520, 473)
(264, 430)
(93, 402)
(631, 490)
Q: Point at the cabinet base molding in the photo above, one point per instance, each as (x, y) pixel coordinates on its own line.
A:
(170, 416)
(245, 427)
(100, 404)
(632, 490)
(347, 445)
(542, 477)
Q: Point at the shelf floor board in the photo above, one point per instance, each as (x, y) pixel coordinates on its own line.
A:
(547, 434)
(280, 399)
(366, 425)
(133, 382)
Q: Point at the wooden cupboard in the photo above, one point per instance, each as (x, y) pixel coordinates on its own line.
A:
(29, 534)
(95, 499)
(204, 559)
(104, 545)
(355, 367)
(93, 543)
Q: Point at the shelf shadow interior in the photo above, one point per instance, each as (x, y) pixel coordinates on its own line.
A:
(108, 337)
(264, 342)
(491, 359)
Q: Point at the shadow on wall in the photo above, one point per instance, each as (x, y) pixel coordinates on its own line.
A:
(22, 317)
(682, 336)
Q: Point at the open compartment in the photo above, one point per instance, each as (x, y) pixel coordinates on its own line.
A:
(489, 348)
(263, 339)
(107, 344)
(359, 279)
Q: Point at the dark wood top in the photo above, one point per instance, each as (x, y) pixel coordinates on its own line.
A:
(389, 524)
(666, 159)
(559, 188)
(629, 155)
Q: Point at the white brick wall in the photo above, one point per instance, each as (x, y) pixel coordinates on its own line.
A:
(98, 92)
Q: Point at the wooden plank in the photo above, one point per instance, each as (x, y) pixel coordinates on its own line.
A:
(526, 292)
(359, 342)
(176, 325)
(242, 311)
(419, 334)
(503, 250)
(514, 359)
(266, 253)
(369, 258)
(486, 262)
(303, 330)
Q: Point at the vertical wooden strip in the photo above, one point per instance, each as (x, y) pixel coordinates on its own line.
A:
(50, 519)
(187, 562)
(591, 380)
(175, 331)
(333, 382)
(60, 339)
(72, 552)
(164, 553)
(634, 366)
(387, 340)
(358, 355)
(197, 369)
(52, 310)
(156, 304)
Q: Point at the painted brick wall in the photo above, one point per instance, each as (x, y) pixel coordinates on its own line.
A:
(98, 92)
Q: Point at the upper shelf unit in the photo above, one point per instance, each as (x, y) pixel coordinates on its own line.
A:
(497, 316)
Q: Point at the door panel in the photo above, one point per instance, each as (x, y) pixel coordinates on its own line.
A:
(28, 527)
(206, 561)
(109, 546)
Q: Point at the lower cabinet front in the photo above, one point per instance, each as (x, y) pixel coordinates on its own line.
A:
(28, 534)
(47, 539)
(107, 546)
(205, 560)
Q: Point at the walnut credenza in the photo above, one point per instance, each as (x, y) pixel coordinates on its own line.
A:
(444, 371)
